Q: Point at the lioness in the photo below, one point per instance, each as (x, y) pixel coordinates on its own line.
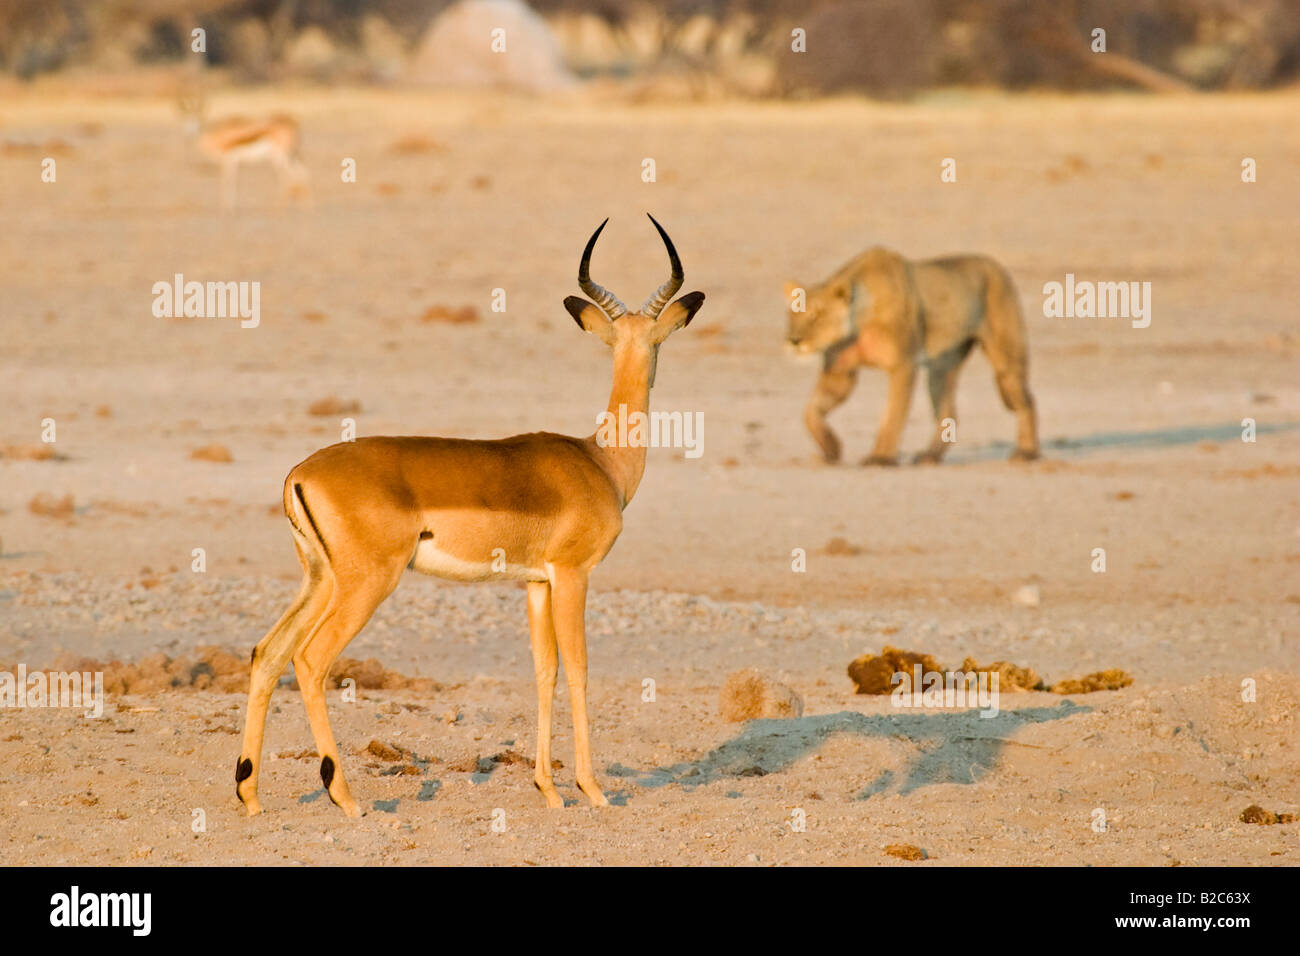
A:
(884, 310)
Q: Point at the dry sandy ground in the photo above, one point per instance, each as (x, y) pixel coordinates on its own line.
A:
(1141, 429)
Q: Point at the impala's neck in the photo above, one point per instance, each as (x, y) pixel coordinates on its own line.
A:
(627, 417)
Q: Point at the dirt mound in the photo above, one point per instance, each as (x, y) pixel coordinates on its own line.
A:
(48, 506)
(219, 669)
(211, 668)
(218, 453)
(464, 315)
(370, 674)
(506, 758)
(377, 748)
(41, 452)
(905, 851)
(837, 547)
(333, 405)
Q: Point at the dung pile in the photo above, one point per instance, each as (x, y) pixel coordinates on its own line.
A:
(874, 673)
(1011, 677)
(1257, 814)
(1112, 679)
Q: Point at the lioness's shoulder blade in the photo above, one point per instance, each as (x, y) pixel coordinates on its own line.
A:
(861, 265)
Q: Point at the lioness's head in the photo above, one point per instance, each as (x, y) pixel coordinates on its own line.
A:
(825, 318)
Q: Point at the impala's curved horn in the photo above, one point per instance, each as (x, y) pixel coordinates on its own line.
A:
(609, 303)
(655, 304)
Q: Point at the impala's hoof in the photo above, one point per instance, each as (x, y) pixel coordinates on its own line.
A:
(1024, 454)
(926, 458)
(553, 799)
(594, 793)
(879, 461)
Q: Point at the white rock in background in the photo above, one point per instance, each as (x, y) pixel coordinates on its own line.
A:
(456, 49)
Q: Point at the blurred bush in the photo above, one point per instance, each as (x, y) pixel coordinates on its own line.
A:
(700, 47)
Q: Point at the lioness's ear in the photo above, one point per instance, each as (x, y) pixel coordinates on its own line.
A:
(677, 316)
(590, 318)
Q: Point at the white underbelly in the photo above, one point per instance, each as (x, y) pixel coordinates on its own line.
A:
(258, 151)
(429, 559)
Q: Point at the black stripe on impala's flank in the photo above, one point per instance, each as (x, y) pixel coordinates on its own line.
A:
(297, 490)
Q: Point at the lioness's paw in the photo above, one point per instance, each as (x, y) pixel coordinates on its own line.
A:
(1021, 454)
(879, 461)
(830, 448)
(926, 458)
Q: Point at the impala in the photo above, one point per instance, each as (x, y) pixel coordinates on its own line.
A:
(362, 512)
(234, 141)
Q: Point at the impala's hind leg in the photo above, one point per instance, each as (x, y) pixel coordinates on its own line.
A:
(541, 629)
(270, 658)
(354, 599)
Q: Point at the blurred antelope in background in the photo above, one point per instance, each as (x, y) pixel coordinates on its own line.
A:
(233, 141)
(540, 508)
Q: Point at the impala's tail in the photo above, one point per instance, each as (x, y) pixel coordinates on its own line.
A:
(299, 515)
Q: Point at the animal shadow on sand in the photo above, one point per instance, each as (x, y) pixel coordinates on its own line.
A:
(1099, 441)
(950, 747)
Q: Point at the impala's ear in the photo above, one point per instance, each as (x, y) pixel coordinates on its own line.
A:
(677, 316)
(590, 318)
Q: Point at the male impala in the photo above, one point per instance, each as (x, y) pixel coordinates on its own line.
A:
(362, 512)
(234, 141)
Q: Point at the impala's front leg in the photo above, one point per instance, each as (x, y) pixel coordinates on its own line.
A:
(569, 609)
(541, 629)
